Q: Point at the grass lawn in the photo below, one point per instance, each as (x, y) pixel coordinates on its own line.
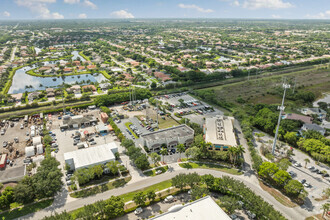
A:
(26, 209)
(191, 165)
(101, 188)
(103, 179)
(278, 196)
(127, 124)
(153, 172)
(315, 217)
(157, 187)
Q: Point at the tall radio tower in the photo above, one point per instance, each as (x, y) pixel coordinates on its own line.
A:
(281, 108)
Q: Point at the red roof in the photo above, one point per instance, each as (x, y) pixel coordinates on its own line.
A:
(303, 118)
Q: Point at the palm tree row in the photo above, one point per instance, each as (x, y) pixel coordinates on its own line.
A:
(235, 153)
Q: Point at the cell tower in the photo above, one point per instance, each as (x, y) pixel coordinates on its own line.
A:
(281, 108)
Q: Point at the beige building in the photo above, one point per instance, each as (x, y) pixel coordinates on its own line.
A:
(220, 132)
(170, 137)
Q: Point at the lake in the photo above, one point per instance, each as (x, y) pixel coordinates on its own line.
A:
(23, 82)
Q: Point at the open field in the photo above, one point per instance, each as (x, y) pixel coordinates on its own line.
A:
(258, 90)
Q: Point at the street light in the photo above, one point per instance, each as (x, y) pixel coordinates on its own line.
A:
(281, 108)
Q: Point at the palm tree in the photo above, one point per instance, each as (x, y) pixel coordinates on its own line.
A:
(306, 161)
(180, 148)
(325, 208)
(163, 152)
(232, 153)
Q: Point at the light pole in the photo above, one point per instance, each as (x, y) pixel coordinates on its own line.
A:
(281, 108)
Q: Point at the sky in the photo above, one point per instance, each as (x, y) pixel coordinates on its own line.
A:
(83, 9)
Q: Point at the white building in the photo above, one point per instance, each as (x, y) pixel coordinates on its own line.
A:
(92, 156)
(204, 208)
(219, 131)
(170, 137)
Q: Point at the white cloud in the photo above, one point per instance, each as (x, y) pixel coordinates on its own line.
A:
(321, 15)
(236, 3)
(196, 8)
(82, 16)
(89, 4)
(276, 16)
(270, 4)
(122, 14)
(40, 8)
(6, 14)
(71, 1)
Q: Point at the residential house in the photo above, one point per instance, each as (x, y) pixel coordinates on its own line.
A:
(303, 118)
(104, 86)
(162, 76)
(50, 92)
(80, 68)
(67, 70)
(17, 97)
(75, 89)
(89, 87)
(313, 127)
(321, 114)
(33, 95)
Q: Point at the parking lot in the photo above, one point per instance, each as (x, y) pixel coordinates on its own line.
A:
(314, 182)
(188, 107)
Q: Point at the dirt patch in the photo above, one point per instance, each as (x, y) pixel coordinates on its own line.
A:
(278, 196)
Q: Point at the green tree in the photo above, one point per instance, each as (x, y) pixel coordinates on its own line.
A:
(291, 138)
(113, 167)
(163, 152)
(229, 204)
(267, 170)
(139, 198)
(151, 195)
(294, 188)
(179, 181)
(180, 148)
(306, 161)
(153, 85)
(154, 157)
(142, 162)
(192, 179)
(198, 192)
(326, 208)
(284, 164)
(192, 152)
(281, 177)
(47, 140)
(98, 170)
(114, 207)
(24, 190)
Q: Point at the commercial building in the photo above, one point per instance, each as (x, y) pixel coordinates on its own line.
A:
(169, 137)
(204, 208)
(91, 156)
(77, 121)
(220, 132)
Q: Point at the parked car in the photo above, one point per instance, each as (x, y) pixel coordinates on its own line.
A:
(311, 168)
(2, 131)
(169, 198)
(138, 211)
(319, 172)
(307, 185)
(297, 164)
(16, 139)
(302, 181)
(68, 183)
(315, 171)
(158, 172)
(325, 175)
(92, 143)
(292, 174)
(22, 126)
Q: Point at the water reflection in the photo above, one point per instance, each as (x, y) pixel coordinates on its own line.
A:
(23, 82)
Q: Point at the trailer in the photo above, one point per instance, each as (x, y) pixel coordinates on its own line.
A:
(3, 160)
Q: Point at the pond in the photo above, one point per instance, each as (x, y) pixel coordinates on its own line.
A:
(76, 55)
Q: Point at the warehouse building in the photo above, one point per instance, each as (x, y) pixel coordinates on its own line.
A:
(91, 156)
(220, 132)
(196, 210)
(169, 137)
(78, 121)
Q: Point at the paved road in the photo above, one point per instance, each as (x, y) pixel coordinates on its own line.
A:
(12, 56)
(72, 204)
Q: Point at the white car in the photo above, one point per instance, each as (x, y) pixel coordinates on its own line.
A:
(297, 164)
(22, 126)
(158, 172)
(138, 211)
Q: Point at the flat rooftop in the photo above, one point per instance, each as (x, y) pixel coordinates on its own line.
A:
(92, 155)
(204, 208)
(220, 131)
(181, 130)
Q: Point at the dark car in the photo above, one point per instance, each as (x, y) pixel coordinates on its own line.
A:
(302, 181)
(325, 175)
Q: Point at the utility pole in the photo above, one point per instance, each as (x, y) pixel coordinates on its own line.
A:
(281, 108)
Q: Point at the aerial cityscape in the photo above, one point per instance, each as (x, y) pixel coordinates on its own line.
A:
(165, 110)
